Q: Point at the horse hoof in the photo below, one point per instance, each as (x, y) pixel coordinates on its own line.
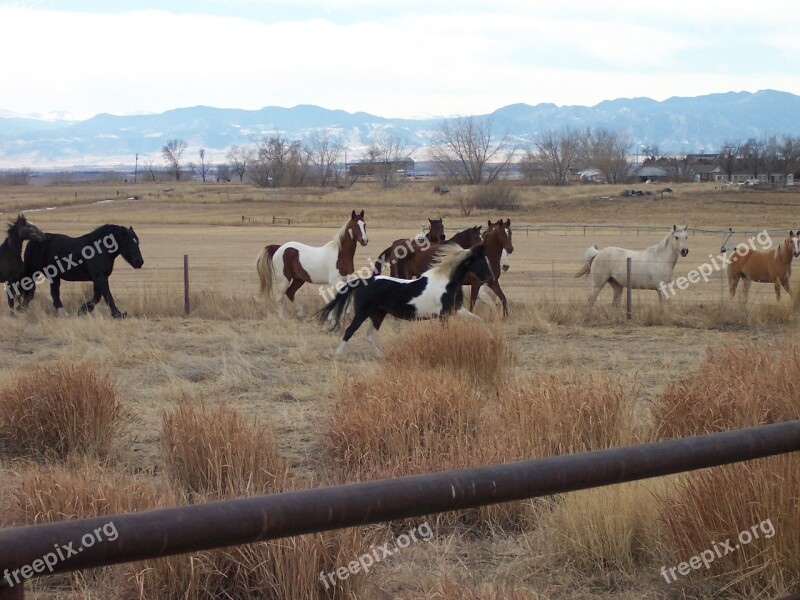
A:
(120, 315)
(61, 313)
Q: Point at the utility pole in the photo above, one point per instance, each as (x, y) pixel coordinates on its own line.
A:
(136, 168)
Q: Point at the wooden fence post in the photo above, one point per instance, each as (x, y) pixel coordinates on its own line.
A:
(629, 307)
(186, 284)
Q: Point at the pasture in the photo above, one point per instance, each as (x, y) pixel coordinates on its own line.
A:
(553, 376)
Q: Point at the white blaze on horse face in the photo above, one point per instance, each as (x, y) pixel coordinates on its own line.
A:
(363, 228)
(796, 245)
(504, 264)
(680, 238)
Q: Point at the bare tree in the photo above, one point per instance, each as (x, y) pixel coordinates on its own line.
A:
(467, 150)
(553, 156)
(790, 155)
(728, 157)
(386, 154)
(223, 172)
(680, 168)
(606, 151)
(239, 158)
(171, 153)
(150, 169)
(324, 151)
(205, 166)
(279, 162)
(752, 154)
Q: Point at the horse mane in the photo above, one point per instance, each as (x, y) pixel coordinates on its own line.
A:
(337, 240)
(660, 245)
(447, 259)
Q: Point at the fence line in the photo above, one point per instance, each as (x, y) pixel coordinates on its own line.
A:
(177, 530)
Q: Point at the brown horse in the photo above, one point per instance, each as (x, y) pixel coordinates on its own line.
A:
(292, 264)
(496, 239)
(401, 248)
(416, 263)
(764, 266)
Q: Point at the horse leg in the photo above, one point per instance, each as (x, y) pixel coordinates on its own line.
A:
(463, 312)
(89, 305)
(296, 284)
(733, 282)
(360, 317)
(102, 284)
(375, 322)
(55, 294)
(777, 284)
(745, 289)
(595, 292)
(495, 287)
(618, 289)
(473, 296)
(280, 291)
(785, 284)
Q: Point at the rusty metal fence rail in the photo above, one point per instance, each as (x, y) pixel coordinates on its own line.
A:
(169, 531)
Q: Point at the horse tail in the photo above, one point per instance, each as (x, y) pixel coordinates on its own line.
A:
(264, 268)
(334, 309)
(382, 260)
(588, 257)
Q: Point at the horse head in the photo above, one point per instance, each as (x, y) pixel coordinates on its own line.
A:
(436, 230)
(129, 248)
(792, 243)
(478, 264)
(679, 239)
(502, 230)
(358, 228)
(25, 230)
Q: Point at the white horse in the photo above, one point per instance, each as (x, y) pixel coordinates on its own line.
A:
(649, 267)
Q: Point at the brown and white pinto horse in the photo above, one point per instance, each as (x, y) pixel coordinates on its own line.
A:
(764, 266)
(292, 264)
(400, 248)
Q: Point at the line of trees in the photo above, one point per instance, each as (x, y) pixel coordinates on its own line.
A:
(771, 156)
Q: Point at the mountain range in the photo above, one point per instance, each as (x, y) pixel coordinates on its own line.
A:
(676, 125)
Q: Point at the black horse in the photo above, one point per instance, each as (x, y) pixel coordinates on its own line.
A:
(11, 265)
(437, 293)
(89, 257)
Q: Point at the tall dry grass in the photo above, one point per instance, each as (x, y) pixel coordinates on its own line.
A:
(414, 416)
(60, 409)
(214, 454)
(738, 386)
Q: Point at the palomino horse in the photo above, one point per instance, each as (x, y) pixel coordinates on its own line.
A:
(292, 264)
(436, 293)
(11, 266)
(401, 248)
(648, 267)
(764, 266)
(89, 257)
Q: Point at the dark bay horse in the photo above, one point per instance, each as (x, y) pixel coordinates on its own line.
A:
(400, 248)
(419, 261)
(11, 266)
(437, 293)
(89, 257)
(292, 264)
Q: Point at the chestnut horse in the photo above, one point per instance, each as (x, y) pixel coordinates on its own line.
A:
(419, 261)
(401, 248)
(764, 266)
(496, 239)
(292, 264)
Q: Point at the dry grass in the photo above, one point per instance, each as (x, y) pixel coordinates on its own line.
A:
(715, 505)
(217, 453)
(737, 386)
(61, 409)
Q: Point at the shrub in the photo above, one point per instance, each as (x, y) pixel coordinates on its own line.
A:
(61, 409)
(499, 195)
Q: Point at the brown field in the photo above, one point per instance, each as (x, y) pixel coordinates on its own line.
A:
(550, 379)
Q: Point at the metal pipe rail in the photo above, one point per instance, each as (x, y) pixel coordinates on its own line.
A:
(164, 532)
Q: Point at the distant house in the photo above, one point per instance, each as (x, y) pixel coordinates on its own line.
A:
(763, 178)
(649, 173)
(404, 166)
(705, 173)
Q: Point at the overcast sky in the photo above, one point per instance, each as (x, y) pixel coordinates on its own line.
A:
(394, 59)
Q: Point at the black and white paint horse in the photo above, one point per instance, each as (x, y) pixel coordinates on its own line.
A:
(437, 293)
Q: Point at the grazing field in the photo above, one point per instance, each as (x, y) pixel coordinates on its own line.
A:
(229, 400)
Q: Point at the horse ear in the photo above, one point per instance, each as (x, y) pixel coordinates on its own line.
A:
(674, 227)
(489, 223)
(686, 227)
(353, 214)
(478, 228)
(361, 214)
(508, 222)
